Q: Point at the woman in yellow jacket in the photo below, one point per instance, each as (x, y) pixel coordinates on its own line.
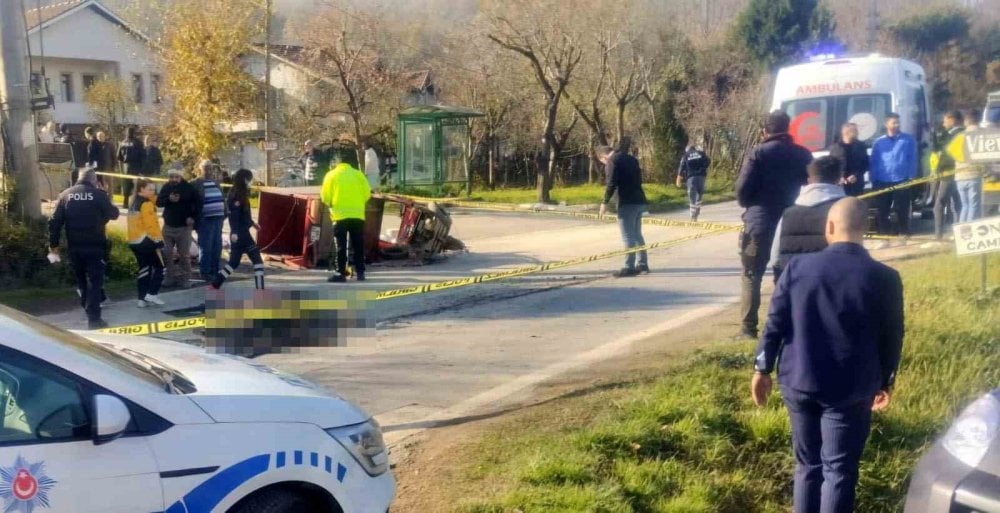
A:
(146, 240)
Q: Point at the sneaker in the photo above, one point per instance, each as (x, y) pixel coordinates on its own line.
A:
(642, 269)
(141, 303)
(154, 299)
(337, 278)
(96, 325)
(624, 272)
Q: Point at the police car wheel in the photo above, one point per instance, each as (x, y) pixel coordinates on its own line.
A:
(274, 501)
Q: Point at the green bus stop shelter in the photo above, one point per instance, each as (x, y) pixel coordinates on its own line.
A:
(434, 147)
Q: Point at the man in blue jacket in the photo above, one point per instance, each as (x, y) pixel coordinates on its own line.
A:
(836, 321)
(893, 161)
(768, 184)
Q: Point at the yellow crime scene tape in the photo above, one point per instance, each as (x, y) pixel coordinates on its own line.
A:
(155, 179)
(711, 227)
(152, 328)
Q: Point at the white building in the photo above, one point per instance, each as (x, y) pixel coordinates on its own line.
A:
(80, 42)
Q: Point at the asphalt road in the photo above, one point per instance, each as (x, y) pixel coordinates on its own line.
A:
(441, 357)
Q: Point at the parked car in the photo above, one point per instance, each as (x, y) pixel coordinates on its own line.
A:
(130, 424)
(961, 471)
(991, 113)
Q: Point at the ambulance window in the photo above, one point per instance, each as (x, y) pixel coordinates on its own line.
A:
(923, 123)
(38, 403)
(868, 113)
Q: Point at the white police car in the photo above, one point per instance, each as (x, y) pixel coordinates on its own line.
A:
(137, 425)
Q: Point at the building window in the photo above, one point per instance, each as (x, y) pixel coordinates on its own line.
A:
(137, 92)
(155, 83)
(88, 81)
(66, 87)
(37, 89)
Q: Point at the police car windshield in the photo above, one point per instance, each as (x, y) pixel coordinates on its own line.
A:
(816, 122)
(157, 374)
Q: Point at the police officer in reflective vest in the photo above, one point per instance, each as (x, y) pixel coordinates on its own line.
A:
(83, 210)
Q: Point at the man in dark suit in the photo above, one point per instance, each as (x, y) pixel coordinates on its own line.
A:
(836, 320)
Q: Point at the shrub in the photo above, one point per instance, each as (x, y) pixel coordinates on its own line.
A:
(23, 262)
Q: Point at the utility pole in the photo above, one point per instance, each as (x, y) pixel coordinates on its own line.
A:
(873, 25)
(15, 109)
(704, 18)
(267, 92)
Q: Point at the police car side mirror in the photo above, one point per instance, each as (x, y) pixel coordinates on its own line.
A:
(111, 418)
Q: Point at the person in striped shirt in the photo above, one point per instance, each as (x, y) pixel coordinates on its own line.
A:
(209, 223)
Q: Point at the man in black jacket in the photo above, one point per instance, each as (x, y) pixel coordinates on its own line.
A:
(83, 210)
(694, 169)
(625, 178)
(835, 332)
(153, 163)
(768, 184)
(181, 206)
(853, 156)
(131, 155)
(945, 191)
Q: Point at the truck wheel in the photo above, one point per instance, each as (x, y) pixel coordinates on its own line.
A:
(273, 501)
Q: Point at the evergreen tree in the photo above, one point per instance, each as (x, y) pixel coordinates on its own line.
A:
(775, 32)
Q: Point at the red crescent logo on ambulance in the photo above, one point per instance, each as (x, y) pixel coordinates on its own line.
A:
(807, 130)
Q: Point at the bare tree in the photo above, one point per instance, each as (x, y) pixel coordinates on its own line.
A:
(553, 53)
(628, 77)
(342, 49)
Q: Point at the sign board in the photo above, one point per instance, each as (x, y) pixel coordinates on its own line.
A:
(977, 237)
(270, 145)
(983, 145)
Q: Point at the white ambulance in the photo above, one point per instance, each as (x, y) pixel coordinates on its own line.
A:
(122, 424)
(822, 95)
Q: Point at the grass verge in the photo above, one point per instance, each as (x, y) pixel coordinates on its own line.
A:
(691, 441)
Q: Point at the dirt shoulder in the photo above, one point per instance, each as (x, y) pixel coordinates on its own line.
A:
(429, 462)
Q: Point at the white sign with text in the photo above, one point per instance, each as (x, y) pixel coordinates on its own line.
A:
(977, 237)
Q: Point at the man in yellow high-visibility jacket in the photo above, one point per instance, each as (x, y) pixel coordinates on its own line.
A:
(346, 192)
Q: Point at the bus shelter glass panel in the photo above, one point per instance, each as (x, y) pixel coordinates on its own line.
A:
(419, 153)
(454, 148)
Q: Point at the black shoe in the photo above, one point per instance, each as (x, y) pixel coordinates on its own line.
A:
(625, 272)
(747, 335)
(96, 325)
(361, 276)
(642, 268)
(337, 278)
